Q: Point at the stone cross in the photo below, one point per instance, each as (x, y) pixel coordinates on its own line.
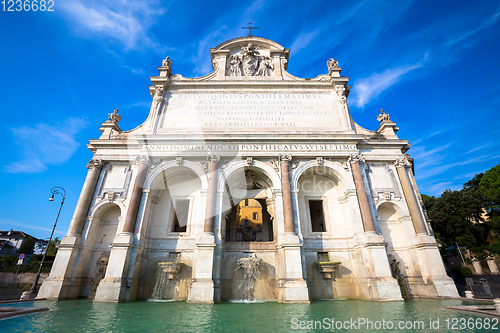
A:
(250, 29)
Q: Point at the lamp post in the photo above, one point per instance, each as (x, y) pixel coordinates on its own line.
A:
(458, 247)
(54, 191)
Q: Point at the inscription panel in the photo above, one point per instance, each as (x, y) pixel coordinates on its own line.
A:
(239, 111)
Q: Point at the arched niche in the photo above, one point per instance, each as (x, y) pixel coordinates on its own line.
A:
(318, 191)
(105, 220)
(174, 194)
(389, 216)
(243, 186)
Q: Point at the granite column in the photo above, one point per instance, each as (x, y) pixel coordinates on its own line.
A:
(411, 199)
(364, 205)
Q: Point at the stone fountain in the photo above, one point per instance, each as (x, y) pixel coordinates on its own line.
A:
(327, 268)
(166, 278)
(251, 266)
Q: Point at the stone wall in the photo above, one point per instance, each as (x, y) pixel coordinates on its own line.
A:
(12, 279)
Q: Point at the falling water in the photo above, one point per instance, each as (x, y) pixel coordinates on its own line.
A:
(164, 289)
(250, 265)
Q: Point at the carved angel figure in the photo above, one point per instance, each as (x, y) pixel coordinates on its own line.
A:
(265, 66)
(114, 117)
(234, 65)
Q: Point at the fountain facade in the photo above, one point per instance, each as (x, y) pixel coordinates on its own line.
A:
(310, 179)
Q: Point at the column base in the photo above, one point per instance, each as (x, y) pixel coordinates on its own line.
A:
(384, 289)
(293, 291)
(201, 291)
(112, 290)
(60, 284)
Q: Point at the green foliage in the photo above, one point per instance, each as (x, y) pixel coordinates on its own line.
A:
(27, 246)
(41, 245)
(489, 186)
(461, 271)
(457, 215)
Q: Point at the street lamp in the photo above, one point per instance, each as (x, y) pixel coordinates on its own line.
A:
(458, 247)
(54, 191)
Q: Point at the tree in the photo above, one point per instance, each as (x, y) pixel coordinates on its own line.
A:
(458, 215)
(41, 245)
(489, 185)
(27, 246)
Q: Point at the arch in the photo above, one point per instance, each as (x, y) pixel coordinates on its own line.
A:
(336, 170)
(152, 177)
(392, 205)
(103, 206)
(261, 166)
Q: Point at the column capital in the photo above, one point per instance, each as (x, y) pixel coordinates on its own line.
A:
(404, 162)
(95, 163)
(139, 159)
(356, 158)
(214, 158)
(285, 158)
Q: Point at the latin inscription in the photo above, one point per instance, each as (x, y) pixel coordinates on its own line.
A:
(251, 147)
(240, 110)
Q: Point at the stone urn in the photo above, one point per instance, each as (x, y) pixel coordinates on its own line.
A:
(171, 268)
(327, 268)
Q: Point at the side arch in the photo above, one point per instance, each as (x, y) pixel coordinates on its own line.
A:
(152, 177)
(233, 167)
(336, 170)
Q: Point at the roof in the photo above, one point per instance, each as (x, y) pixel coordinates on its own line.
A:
(13, 233)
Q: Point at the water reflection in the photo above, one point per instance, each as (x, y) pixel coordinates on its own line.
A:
(88, 316)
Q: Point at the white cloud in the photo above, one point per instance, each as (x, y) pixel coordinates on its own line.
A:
(303, 41)
(44, 144)
(10, 224)
(123, 20)
(366, 89)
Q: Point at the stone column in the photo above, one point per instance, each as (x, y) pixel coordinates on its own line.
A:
(116, 284)
(411, 199)
(202, 282)
(83, 205)
(292, 286)
(135, 198)
(287, 193)
(364, 205)
(492, 265)
(211, 194)
(60, 283)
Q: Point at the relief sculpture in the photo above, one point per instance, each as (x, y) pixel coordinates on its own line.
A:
(250, 63)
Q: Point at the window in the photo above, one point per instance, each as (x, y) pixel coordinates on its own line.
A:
(255, 216)
(180, 215)
(317, 215)
(246, 202)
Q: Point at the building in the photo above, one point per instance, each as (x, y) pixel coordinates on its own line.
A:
(339, 205)
(11, 241)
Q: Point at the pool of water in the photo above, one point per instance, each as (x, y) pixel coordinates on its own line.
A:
(143, 316)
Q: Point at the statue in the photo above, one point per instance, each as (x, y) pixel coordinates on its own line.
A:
(167, 62)
(114, 117)
(265, 66)
(250, 59)
(234, 65)
(332, 63)
(383, 117)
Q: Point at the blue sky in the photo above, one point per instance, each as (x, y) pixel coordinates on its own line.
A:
(432, 65)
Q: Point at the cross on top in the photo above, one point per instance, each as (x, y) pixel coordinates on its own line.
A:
(250, 29)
